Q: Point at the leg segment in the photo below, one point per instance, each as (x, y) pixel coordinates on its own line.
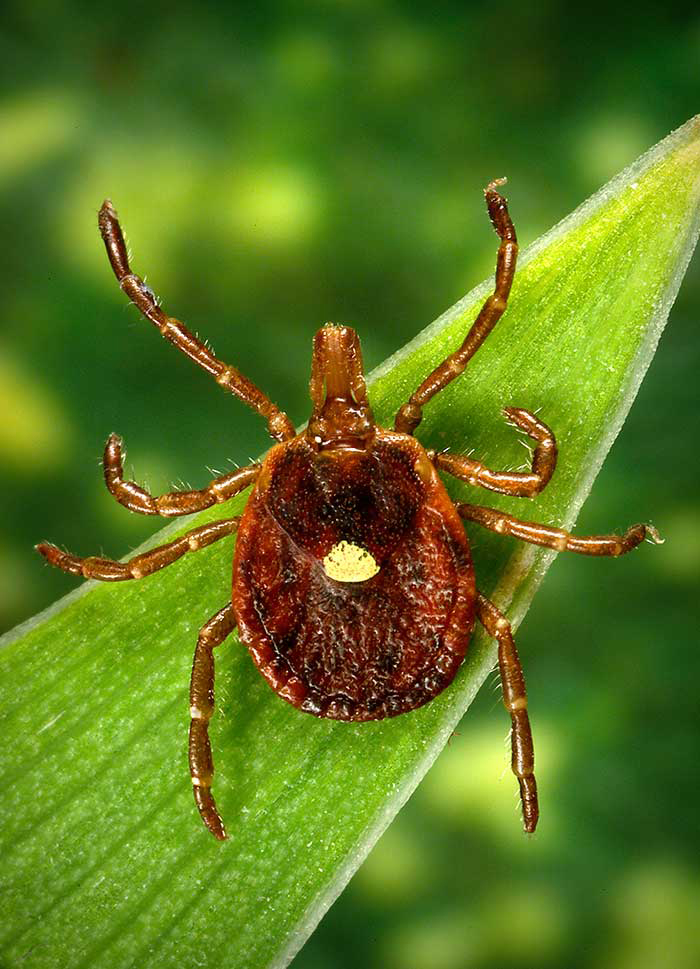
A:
(557, 538)
(515, 702)
(211, 635)
(280, 426)
(409, 416)
(135, 498)
(107, 570)
(514, 483)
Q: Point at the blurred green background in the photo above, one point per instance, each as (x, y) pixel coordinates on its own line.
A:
(277, 165)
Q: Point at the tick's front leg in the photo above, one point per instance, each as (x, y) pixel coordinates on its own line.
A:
(515, 701)
(279, 425)
(211, 635)
(515, 483)
(411, 414)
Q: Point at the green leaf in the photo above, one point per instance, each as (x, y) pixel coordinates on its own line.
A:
(105, 862)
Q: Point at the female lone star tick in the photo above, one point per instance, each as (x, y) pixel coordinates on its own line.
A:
(353, 585)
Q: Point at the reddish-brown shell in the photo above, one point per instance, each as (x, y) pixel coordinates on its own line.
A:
(353, 650)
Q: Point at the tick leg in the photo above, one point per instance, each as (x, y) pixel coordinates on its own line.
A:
(515, 702)
(515, 483)
(107, 570)
(135, 498)
(280, 426)
(557, 538)
(211, 635)
(410, 415)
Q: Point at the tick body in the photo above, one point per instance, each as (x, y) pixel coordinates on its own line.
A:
(353, 586)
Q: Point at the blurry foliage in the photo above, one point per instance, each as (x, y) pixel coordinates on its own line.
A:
(280, 164)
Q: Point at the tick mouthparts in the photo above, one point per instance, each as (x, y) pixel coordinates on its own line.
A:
(337, 367)
(342, 417)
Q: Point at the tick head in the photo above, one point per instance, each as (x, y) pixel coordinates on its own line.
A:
(341, 417)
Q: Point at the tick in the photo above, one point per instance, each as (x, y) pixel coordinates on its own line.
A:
(353, 585)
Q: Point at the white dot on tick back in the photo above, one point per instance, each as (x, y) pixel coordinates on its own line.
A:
(349, 563)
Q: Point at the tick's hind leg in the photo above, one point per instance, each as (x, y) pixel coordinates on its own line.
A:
(211, 635)
(515, 701)
(107, 570)
(515, 483)
(557, 538)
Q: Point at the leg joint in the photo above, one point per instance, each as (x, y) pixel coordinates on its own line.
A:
(225, 376)
(197, 713)
(518, 703)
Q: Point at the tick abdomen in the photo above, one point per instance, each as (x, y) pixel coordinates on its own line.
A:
(353, 650)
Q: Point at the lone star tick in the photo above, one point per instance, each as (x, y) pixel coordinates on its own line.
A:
(353, 585)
